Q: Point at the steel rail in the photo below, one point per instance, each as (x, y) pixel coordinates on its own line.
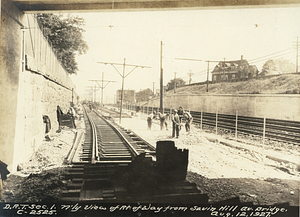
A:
(278, 130)
(113, 112)
(151, 147)
(95, 153)
(269, 134)
(127, 143)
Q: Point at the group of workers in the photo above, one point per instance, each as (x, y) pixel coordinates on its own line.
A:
(177, 118)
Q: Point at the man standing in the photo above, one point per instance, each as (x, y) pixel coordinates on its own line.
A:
(59, 113)
(163, 121)
(176, 124)
(188, 117)
(180, 113)
(149, 120)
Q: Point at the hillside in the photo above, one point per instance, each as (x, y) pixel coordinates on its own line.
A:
(279, 84)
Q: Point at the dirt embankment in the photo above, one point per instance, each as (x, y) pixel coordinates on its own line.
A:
(279, 84)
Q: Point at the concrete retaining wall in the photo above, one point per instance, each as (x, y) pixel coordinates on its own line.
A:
(277, 106)
(40, 96)
(30, 86)
(10, 53)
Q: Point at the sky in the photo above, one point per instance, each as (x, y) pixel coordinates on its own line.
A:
(186, 34)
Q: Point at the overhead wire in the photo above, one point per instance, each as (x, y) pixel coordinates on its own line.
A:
(255, 60)
(270, 54)
(271, 57)
(110, 27)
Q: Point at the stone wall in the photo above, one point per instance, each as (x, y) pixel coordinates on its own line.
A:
(277, 106)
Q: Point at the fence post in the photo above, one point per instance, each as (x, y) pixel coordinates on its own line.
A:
(236, 124)
(217, 122)
(201, 119)
(263, 142)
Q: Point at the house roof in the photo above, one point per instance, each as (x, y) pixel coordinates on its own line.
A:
(229, 65)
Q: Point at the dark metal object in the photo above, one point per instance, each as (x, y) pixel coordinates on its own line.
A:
(126, 170)
(67, 120)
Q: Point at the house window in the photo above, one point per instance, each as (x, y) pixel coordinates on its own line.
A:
(222, 77)
(215, 78)
(233, 76)
(226, 77)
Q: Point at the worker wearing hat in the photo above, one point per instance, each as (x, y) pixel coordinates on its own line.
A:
(180, 113)
(176, 124)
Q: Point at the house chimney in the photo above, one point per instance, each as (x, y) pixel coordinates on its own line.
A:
(241, 57)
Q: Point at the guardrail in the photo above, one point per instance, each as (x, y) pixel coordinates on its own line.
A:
(274, 129)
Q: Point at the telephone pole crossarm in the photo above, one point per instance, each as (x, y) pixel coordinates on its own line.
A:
(123, 76)
(131, 71)
(187, 59)
(208, 61)
(117, 70)
(102, 87)
(108, 83)
(121, 64)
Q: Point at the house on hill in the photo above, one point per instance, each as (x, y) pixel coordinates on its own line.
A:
(235, 70)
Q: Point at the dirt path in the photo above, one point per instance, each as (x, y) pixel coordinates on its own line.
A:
(224, 172)
(220, 171)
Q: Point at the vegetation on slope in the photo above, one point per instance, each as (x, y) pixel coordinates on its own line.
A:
(279, 84)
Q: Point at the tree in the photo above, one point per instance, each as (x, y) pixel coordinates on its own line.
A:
(277, 66)
(268, 67)
(143, 95)
(285, 66)
(179, 82)
(65, 36)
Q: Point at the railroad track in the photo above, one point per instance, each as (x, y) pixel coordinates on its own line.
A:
(114, 113)
(116, 165)
(276, 130)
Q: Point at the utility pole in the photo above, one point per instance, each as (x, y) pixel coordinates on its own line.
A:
(95, 94)
(297, 57)
(207, 81)
(72, 96)
(89, 95)
(161, 80)
(92, 89)
(153, 88)
(208, 61)
(297, 46)
(190, 74)
(207, 75)
(175, 82)
(123, 77)
(102, 87)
